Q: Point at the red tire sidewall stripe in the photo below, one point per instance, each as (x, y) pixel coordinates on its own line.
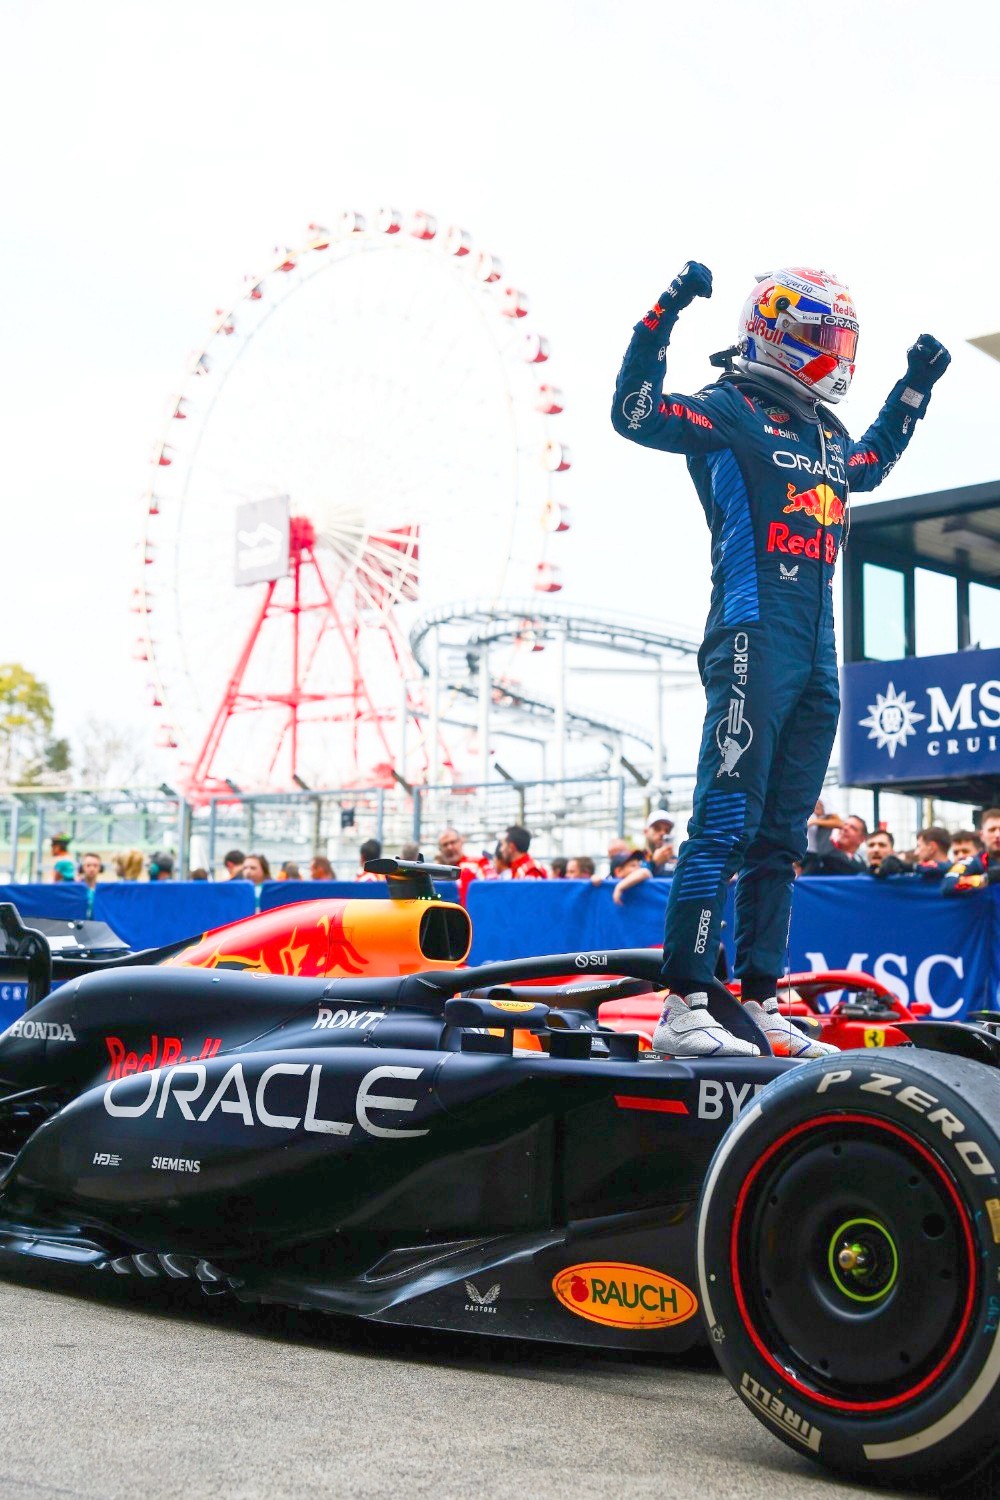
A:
(963, 1216)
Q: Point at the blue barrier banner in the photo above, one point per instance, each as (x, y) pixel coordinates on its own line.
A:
(282, 892)
(993, 895)
(66, 900)
(147, 915)
(922, 945)
(518, 919)
(521, 918)
(925, 718)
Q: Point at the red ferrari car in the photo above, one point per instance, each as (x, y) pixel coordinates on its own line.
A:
(864, 1014)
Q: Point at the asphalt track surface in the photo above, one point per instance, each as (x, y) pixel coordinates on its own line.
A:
(117, 1391)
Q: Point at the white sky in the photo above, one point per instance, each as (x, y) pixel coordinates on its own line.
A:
(155, 152)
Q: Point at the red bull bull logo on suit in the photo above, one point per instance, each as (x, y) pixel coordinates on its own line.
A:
(819, 504)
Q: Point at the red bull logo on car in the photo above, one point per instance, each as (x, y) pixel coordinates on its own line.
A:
(123, 1062)
(819, 504)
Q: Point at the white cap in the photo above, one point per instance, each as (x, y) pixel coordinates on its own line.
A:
(660, 816)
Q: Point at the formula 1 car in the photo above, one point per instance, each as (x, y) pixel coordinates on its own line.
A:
(377, 1146)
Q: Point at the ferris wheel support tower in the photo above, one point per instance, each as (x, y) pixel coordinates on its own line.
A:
(286, 598)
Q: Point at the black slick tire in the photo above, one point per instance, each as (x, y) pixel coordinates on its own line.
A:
(849, 1263)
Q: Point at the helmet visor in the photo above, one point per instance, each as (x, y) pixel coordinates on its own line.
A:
(830, 334)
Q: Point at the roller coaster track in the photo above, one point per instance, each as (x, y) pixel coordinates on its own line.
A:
(475, 625)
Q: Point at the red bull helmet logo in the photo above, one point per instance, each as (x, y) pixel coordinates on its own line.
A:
(819, 504)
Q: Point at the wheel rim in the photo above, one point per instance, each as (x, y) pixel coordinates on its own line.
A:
(864, 1274)
(863, 1260)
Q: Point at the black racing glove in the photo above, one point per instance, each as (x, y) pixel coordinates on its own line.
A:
(891, 865)
(926, 362)
(695, 280)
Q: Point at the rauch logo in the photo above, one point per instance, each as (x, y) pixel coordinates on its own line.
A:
(624, 1296)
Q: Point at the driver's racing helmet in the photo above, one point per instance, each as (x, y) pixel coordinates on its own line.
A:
(800, 328)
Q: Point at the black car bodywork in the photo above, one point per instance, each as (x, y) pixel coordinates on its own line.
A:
(372, 1147)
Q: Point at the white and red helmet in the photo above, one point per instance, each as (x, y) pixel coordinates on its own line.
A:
(801, 328)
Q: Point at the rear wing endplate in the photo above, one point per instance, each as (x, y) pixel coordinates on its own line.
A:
(24, 955)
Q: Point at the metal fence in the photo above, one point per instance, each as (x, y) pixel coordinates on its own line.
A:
(103, 821)
(574, 816)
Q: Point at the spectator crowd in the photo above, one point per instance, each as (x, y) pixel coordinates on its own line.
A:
(964, 860)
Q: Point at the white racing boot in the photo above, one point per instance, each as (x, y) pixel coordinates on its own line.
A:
(687, 1028)
(784, 1036)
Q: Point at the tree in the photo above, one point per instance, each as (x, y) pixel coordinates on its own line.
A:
(57, 756)
(27, 749)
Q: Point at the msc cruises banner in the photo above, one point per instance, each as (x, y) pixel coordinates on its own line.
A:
(926, 718)
(920, 944)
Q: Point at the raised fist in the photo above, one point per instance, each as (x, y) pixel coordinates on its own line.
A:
(695, 280)
(926, 362)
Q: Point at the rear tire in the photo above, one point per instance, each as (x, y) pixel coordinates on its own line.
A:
(850, 1267)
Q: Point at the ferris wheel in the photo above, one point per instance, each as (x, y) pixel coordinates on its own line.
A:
(376, 388)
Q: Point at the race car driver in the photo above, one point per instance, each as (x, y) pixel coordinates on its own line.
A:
(772, 466)
(982, 869)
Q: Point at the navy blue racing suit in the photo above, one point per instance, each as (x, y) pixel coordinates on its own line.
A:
(772, 473)
(973, 874)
